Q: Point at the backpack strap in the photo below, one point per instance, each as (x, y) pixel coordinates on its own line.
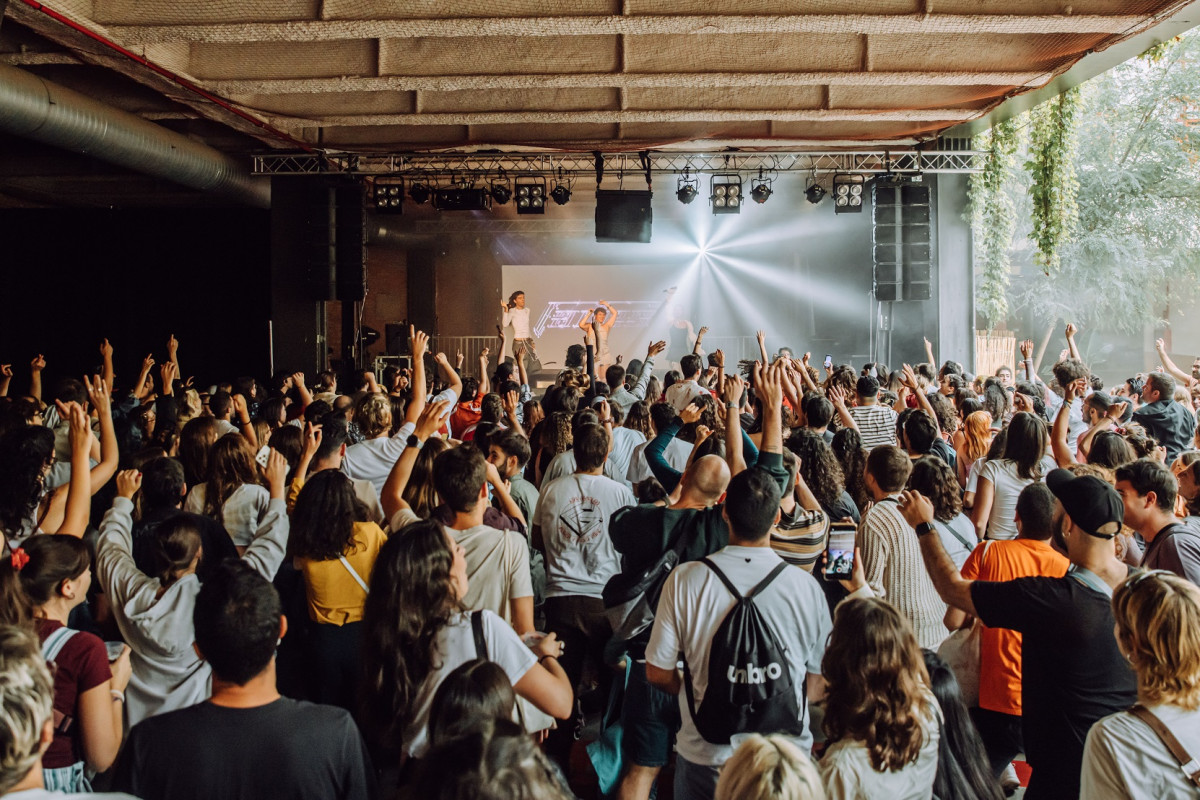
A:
(481, 648)
(354, 574)
(765, 582)
(1189, 765)
(55, 642)
(961, 540)
(708, 562)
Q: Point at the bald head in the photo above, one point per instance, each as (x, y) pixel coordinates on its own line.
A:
(706, 479)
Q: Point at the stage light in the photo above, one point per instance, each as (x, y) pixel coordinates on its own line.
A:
(388, 195)
(726, 194)
(848, 193)
(814, 193)
(420, 193)
(461, 198)
(560, 194)
(687, 187)
(531, 194)
(501, 192)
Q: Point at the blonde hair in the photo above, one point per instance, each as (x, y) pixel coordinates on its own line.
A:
(769, 767)
(26, 704)
(374, 415)
(1158, 625)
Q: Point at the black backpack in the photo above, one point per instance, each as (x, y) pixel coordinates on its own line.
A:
(630, 599)
(750, 688)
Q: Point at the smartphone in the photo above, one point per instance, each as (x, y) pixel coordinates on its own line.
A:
(828, 361)
(839, 562)
(262, 455)
(114, 650)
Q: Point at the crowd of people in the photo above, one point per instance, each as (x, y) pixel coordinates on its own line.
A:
(764, 579)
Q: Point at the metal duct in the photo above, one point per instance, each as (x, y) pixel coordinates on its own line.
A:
(37, 109)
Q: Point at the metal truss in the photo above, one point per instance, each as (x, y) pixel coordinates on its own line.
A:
(468, 166)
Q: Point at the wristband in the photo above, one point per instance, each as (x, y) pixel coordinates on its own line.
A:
(543, 658)
(924, 528)
(117, 695)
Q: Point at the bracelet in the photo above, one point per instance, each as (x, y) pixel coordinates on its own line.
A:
(543, 658)
(117, 695)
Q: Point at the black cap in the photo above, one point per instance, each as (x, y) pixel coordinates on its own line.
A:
(1092, 504)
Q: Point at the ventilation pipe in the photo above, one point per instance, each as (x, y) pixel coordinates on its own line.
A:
(45, 112)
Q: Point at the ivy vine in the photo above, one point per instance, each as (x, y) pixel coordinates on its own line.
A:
(994, 219)
(1051, 166)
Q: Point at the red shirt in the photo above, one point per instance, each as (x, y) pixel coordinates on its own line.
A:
(82, 664)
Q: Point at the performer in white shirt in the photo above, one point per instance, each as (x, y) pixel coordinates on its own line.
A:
(517, 315)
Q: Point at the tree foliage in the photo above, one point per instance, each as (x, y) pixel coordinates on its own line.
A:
(993, 218)
(1052, 166)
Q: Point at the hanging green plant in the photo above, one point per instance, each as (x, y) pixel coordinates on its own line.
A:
(1051, 166)
(993, 219)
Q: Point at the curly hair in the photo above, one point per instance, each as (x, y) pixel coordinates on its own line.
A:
(638, 419)
(556, 433)
(877, 683)
(935, 479)
(324, 517)
(847, 447)
(845, 377)
(818, 466)
(414, 599)
(25, 454)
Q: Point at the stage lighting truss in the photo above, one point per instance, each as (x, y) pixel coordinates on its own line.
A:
(848, 193)
(725, 193)
(530, 191)
(387, 195)
(760, 188)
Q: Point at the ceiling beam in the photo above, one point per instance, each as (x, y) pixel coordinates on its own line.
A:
(37, 59)
(608, 117)
(690, 80)
(613, 25)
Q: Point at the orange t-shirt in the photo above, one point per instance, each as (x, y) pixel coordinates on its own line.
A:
(1000, 648)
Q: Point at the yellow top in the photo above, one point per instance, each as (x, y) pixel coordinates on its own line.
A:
(334, 596)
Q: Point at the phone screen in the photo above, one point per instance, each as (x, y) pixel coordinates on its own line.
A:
(840, 554)
(828, 360)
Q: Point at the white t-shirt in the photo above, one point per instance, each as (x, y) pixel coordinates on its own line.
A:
(373, 459)
(241, 514)
(848, 774)
(676, 454)
(519, 319)
(456, 646)
(625, 441)
(1007, 486)
(973, 476)
(693, 604)
(564, 464)
(682, 393)
(497, 568)
(1124, 758)
(965, 530)
(573, 513)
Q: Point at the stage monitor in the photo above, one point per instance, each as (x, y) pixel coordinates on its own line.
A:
(623, 216)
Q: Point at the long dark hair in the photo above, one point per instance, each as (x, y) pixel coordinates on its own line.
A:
(231, 465)
(935, 479)
(847, 447)
(963, 771)
(52, 560)
(195, 446)
(24, 456)
(638, 419)
(1026, 444)
(323, 520)
(413, 600)
(474, 694)
(818, 466)
(174, 545)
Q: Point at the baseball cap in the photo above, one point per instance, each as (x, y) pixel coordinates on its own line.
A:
(1092, 504)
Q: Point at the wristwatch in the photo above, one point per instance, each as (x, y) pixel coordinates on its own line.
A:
(413, 441)
(924, 528)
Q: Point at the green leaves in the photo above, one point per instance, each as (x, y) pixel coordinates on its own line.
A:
(993, 219)
(1051, 164)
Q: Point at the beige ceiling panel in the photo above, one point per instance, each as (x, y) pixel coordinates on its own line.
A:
(174, 12)
(331, 104)
(776, 7)
(914, 96)
(498, 55)
(283, 60)
(973, 52)
(1072, 7)
(855, 130)
(385, 137)
(541, 133)
(439, 9)
(729, 97)
(682, 131)
(520, 100)
(778, 52)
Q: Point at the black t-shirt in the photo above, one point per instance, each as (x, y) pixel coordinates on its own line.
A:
(286, 749)
(1072, 673)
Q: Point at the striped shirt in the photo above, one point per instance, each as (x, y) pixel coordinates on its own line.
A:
(799, 538)
(876, 424)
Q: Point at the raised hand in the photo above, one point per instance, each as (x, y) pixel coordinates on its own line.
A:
(703, 330)
(910, 378)
(761, 336)
(915, 507)
(147, 364)
(276, 473)
(99, 395)
(719, 357)
(38, 364)
(519, 351)
(604, 410)
(655, 348)
(106, 349)
(418, 341)
(702, 433)
(731, 391)
(312, 439)
(837, 396)
(298, 380)
(1071, 329)
(431, 419)
(690, 414)
(1160, 345)
(172, 347)
(1116, 410)
(804, 360)
(510, 403)
(458, 359)
(504, 306)
(1027, 348)
(240, 408)
(128, 483)
(169, 372)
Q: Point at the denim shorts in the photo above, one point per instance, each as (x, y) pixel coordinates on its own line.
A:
(649, 721)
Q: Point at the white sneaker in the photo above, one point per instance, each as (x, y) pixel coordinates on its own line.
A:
(1009, 781)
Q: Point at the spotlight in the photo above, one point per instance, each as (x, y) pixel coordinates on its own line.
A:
(531, 194)
(815, 193)
(420, 193)
(761, 192)
(848, 193)
(388, 195)
(560, 194)
(501, 192)
(726, 194)
(686, 188)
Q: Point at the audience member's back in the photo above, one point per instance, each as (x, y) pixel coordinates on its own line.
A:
(247, 742)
